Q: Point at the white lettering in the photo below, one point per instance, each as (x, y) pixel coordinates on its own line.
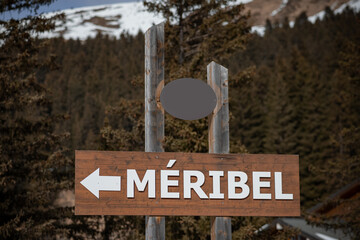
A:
(196, 186)
(257, 184)
(148, 179)
(235, 180)
(216, 194)
(278, 188)
(232, 185)
(165, 183)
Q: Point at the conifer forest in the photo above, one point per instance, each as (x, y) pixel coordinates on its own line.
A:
(294, 90)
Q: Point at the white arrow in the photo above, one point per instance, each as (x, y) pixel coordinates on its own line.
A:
(95, 183)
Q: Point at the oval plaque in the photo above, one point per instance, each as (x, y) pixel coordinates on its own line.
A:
(188, 99)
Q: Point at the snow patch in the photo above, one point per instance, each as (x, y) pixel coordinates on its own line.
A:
(325, 237)
(241, 1)
(260, 30)
(319, 15)
(353, 4)
(276, 11)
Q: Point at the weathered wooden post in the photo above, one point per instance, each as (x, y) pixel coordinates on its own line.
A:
(217, 78)
(154, 115)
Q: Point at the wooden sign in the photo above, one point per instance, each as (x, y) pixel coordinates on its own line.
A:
(183, 184)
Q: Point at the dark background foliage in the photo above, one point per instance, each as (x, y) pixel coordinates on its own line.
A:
(293, 90)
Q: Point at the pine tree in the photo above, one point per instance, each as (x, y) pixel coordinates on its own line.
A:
(344, 165)
(199, 31)
(280, 114)
(247, 106)
(312, 143)
(32, 161)
(345, 116)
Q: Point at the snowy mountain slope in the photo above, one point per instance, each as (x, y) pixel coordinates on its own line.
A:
(353, 4)
(131, 17)
(278, 10)
(110, 19)
(292, 8)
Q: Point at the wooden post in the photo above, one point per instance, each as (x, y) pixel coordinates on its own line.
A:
(217, 78)
(154, 114)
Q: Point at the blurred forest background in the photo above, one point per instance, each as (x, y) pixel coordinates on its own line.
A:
(295, 90)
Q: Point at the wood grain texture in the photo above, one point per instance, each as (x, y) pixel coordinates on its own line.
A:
(154, 83)
(217, 77)
(117, 203)
(154, 113)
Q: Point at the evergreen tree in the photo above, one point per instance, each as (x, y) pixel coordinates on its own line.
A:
(268, 26)
(308, 94)
(247, 98)
(199, 32)
(280, 115)
(344, 165)
(32, 162)
(345, 116)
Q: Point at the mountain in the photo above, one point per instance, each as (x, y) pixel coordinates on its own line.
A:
(111, 19)
(132, 17)
(278, 10)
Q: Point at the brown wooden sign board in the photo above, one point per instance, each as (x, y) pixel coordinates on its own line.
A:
(185, 184)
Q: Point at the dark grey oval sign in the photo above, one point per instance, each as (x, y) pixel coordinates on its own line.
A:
(188, 99)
